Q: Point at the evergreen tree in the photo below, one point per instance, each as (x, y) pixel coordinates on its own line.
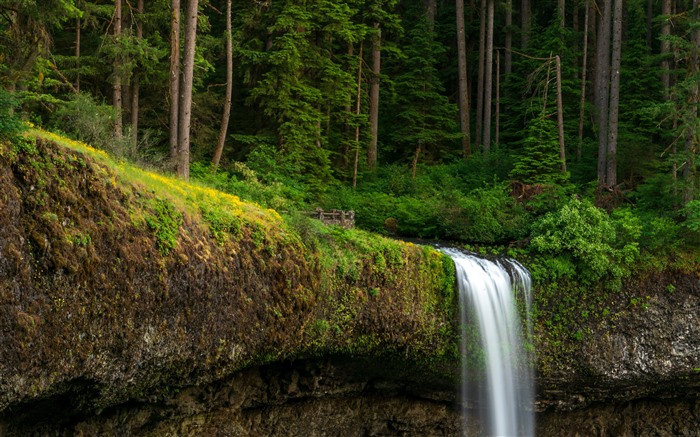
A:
(426, 121)
(540, 163)
(296, 79)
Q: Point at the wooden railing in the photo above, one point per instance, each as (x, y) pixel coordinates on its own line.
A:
(345, 219)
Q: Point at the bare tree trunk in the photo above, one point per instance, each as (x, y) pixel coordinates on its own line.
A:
(229, 90)
(488, 77)
(374, 97)
(584, 72)
(414, 164)
(78, 31)
(560, 117)
(497, 129)
(525, 23)
(666, 47)
(358, 109)
(691, 137)
(650, 23)
(174, 76)
(348, 125)
(135, 84)
(611, 172)
(508, 43)
(480, 73)
(602, 90)
(463, 83)
(185, 105)
(117, 82)
(561, 10)
(545, 95)
(430, 9)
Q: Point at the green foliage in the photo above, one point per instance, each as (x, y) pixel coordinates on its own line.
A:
(222, 222)
(294, 79)
(581, 236)
(424, 117)
(628, 231)
(165, 223)
(484, 215)
(277, 192)
(661, 235)
(540, 163)
(691, 210)
(83, 117)
(11, 125)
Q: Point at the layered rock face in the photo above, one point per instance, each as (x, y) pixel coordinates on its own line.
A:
(101, 333)
(638, 372)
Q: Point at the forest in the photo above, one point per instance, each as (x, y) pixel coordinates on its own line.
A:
(565, 129)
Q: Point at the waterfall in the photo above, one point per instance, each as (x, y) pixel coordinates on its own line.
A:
(500, 383)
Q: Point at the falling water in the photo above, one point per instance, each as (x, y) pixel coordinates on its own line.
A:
(487, 300)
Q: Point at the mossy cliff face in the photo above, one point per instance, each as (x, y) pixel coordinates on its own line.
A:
(621, 363)
(111, 292)
(133, 304)
(640, 342)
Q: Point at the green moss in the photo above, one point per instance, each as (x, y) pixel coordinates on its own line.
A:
(255, 288)
(165, 223)
(222, 222)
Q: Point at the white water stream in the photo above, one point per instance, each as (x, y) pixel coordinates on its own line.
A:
(501, 386)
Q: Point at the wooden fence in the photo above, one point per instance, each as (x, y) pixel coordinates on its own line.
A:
(345, 219)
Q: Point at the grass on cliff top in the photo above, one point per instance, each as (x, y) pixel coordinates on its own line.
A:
(189, 196)
(342, 246)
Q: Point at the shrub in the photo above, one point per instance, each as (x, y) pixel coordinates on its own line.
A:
(660, 235)
(485, 215)
(691, 211)
(10, 124)
(582, 233)
(628, 230)
(87, 120)
(242, 181)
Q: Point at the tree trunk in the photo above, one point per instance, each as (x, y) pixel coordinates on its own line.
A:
(229, 90)
(374, 97)
(480, 73)
(185, 105)
(488, 77)
(358, 109)
(602, 89)
(78, 31)
(508, 42)
(650, 24)
(561, 10)
(525, 23)
(414, 164)
(584, 72)
(135, 85)
(430, 10)
(347, 145)
(463, 83)
(611, 175)
(691, 133)
(666, 47)
(117, 82)
(497, 129)
(174, 76)
(560, 117)
(545, 93)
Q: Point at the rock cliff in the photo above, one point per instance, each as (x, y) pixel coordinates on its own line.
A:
(137, 305)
